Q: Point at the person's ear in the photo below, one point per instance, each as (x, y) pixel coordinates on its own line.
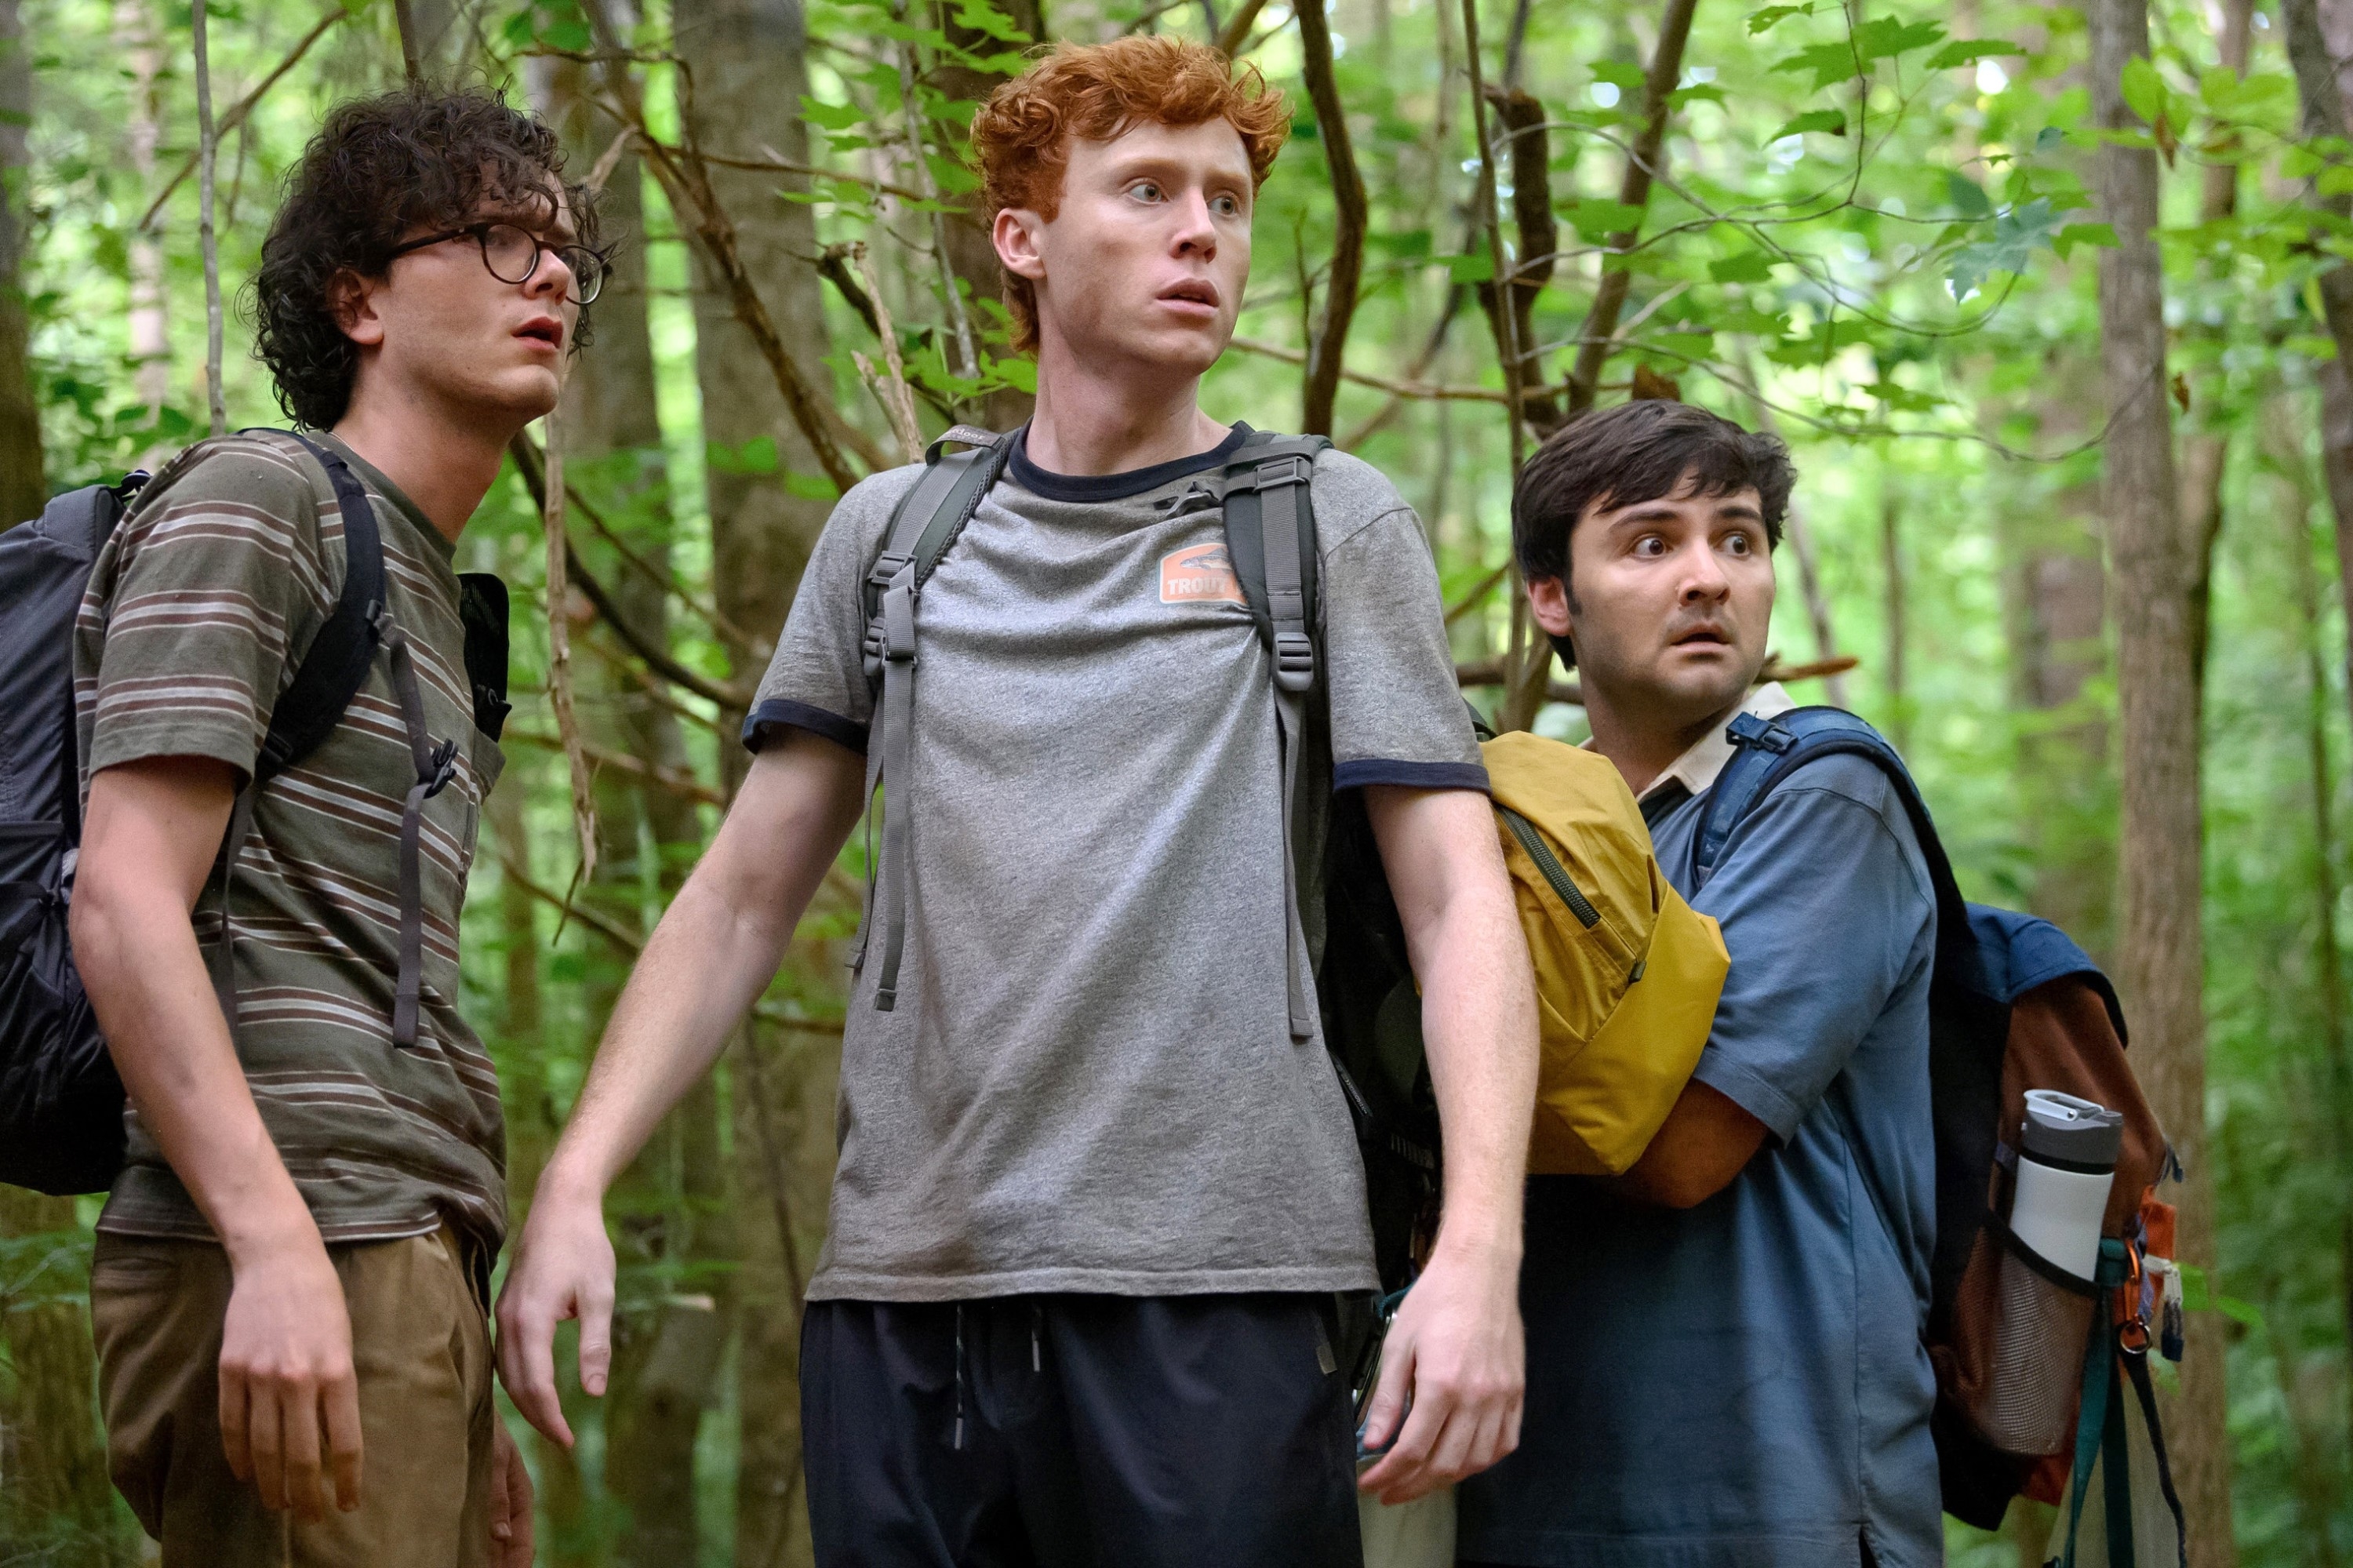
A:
(351, 299)
(1020, 236)
(1548, 601)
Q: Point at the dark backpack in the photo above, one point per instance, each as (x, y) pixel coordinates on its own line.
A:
(61, 1100)
(1369, 1007)
(2013, 1004)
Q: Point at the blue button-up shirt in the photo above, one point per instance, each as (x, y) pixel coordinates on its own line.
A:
(1742, 1385)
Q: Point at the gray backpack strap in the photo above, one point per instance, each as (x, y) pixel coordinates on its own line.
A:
(926, 523)
(1271, 537)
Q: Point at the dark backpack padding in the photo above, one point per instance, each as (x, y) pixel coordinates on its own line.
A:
(60, 1101)
(60, 1098)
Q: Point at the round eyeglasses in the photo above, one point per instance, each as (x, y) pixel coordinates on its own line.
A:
(512, 253)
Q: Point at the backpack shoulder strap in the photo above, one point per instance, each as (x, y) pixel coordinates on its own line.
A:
(1270, 518)
(337, 664)
(1766, 752)
(927, 521)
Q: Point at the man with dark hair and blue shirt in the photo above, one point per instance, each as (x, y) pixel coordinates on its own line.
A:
(1725, 1366)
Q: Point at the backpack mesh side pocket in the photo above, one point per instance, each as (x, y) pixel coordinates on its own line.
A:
(2014, 1362)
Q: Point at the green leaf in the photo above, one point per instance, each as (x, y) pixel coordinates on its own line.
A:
(810, 486)
(1749, 266)
(2017, 235)
(2093, 234)
(1968, 51)
(1625, 77)
(2050, 136)
(1598, 218)
(2143, 89)
(1831, 63)
(832, 116)
(1479, 268)
(1969, 198)
(1886, 37)
(1707, 91)
(570, 34)
(1760, 21)
(981, 17)
(1828, 121)
(755, 456)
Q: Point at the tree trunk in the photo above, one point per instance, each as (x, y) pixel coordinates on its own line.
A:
(150, 344)
(748, 55)
(53, 1493)
(1328, 347)
(2162, 961)
(23, 488)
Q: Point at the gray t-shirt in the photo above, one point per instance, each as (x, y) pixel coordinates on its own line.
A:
(1089, 1081)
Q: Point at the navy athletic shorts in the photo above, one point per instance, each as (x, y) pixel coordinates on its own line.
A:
(1079, 1432)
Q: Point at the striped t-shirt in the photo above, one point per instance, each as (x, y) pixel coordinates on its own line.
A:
(198, 613)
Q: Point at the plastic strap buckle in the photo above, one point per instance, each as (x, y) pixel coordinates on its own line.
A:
(1748, 729)
(1289, 468)
(445, 768)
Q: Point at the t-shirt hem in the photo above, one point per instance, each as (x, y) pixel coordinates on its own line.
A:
(1837, 1547)
(113, 745)
(842, 1285)
(1366, 770)
(784, 712)
(1743, 1087)
(335, 1233)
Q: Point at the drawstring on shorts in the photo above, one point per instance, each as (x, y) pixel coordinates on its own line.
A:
(959, 1377)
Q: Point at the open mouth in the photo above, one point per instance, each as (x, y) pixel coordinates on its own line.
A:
(1703, 636)
(1192, 292)
(542, 329)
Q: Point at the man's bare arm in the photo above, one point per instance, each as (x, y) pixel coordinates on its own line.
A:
(149, 839)
(714, 953)
(1456, 1342)
(1705, 1141)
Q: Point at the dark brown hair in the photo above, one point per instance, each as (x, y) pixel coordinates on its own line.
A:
(1022, 135)
(1631, 453)
(379, 170)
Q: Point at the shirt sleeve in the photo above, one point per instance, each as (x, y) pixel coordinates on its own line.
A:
(1828, 912)
(817, 679)
(1398, 715)
(216, 588)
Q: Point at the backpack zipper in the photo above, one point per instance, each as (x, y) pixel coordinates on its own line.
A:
(1549, 864)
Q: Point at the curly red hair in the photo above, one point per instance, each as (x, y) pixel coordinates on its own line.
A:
(1022, 135)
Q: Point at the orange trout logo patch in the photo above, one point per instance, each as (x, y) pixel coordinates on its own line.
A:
(1203, 573)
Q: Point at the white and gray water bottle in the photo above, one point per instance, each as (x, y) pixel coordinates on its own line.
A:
(2066, 1164)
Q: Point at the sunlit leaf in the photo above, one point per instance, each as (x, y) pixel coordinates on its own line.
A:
(1830, 122)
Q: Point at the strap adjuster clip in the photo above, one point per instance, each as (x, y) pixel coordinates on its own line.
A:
(1289, 468)
(1748, 729)
(445, 768)
(1295, 661)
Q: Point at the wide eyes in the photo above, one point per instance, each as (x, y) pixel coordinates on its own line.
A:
(1152, 192)
(1654, 546)
(1650, 547)
(1739, 544)
(1227, 207)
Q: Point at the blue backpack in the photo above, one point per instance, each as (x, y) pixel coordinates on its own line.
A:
(2013, 1004)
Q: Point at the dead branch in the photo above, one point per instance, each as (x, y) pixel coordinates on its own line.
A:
(237, 112)
(967, 356)
(657, 658)
(899, 404)
(1491, 673)
(1477, 596)
(208, 240)
(559, 649)
(1642, 160)
(595, 919)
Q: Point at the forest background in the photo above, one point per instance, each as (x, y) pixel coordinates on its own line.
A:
(2048, 299)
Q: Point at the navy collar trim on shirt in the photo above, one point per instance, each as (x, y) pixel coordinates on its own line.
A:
(1100, 487)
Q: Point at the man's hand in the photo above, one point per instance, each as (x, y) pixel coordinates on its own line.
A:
(287, 1385)
(562, 1268)
(1456, 1345)
(511, 1520)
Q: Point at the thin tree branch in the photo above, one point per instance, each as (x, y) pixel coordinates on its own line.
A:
(1328, 347)
(898, 403)
(237, 111)
(1642, 160)
(559, 649)
(1419, 390)
(412, 50)
(675, 780)
(1397, 399)
(1237, 30)
(918, 151)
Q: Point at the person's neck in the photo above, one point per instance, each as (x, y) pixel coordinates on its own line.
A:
(1093, 419)
(444, 463)
(1630, 734)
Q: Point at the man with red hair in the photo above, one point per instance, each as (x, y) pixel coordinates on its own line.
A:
(1099, 1189)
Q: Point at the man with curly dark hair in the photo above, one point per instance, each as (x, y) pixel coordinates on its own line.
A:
(291, 1270)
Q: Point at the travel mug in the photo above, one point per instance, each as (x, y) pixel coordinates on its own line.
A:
(2066, 1164)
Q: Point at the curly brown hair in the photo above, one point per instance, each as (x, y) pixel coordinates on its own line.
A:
(379, 170)
(1022, 135)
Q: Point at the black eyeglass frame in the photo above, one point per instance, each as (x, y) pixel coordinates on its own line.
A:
(480, 233)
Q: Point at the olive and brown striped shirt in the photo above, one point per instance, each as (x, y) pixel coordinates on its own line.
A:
(198, 615)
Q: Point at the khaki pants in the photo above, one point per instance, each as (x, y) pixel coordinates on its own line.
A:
(421, 1345)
